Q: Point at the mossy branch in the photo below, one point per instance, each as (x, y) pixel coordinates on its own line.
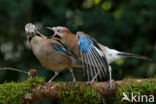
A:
(34, 90)
(91, 94)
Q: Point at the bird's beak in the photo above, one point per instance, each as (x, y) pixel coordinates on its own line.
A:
(49, 28)
(53, 29)
(54, 37)
(32, 34)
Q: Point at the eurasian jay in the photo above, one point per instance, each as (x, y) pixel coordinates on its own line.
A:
(51, 53)
(75, 43)
(87, 49)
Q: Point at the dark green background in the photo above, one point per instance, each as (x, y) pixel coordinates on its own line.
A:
(126, 25)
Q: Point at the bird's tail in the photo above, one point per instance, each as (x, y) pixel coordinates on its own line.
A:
(131, 55)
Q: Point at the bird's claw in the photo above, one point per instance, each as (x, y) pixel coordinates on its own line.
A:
(110, 84)
(48, 84)
(90, 82)
(73, 82)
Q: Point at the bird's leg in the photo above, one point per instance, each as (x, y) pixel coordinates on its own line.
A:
(93, 79)
(50, 81)
(110, 78)
(74, 79)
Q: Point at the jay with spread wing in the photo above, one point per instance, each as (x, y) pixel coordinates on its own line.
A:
(90, 51)
(92, 56)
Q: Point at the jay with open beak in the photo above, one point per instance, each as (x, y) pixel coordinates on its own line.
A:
(96, 53)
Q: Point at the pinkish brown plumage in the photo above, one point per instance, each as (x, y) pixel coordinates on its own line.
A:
(50, 53)
(94, 64)
(72, 42)
(67, 38)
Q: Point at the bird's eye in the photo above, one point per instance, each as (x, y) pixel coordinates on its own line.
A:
(59, 30)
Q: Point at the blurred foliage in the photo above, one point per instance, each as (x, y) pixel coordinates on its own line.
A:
(123, 25)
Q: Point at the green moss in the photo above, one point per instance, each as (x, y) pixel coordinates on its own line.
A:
(13, 92)
(146, 87)
(80, 94)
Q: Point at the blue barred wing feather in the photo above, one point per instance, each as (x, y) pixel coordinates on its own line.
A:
(92, 57)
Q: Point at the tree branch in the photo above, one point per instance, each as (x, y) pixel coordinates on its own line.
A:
(41, 93)
(18, 70)
(31, 73)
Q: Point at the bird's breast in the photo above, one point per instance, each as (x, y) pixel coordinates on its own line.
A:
(52, 60)
(36, 44)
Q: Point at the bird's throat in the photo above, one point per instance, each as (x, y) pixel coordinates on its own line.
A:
(35, 43)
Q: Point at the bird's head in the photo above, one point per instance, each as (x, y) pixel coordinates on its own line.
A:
(60, 33)
(32, 31)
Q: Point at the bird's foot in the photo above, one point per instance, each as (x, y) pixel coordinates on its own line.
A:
(49, 83)
(73, 82)
(110, 84)
(90, 82)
